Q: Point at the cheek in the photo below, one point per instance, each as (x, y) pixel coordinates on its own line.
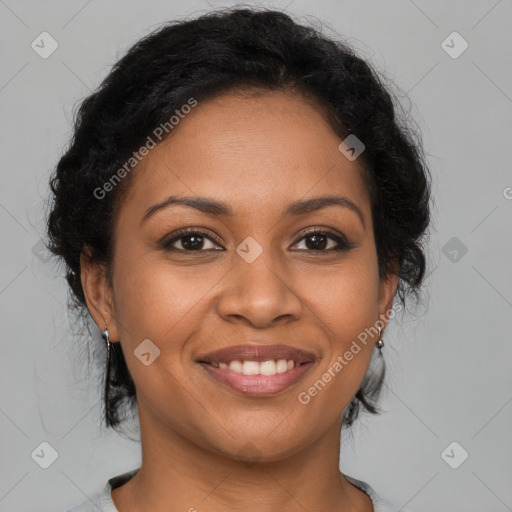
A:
(347, 306)
(356, 301)
(153, 303)
(166, 305)
(152, 299)
(346, 298)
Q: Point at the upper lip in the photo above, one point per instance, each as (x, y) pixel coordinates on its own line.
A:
(257, 353)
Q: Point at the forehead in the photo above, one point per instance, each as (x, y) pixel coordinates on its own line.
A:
(251, 151)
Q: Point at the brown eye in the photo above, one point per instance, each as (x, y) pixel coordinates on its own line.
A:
(322, 241)
(189, 241)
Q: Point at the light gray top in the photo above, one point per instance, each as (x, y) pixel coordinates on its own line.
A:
(102, 502)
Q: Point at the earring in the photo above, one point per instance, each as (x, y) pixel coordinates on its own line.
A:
(105, 335)
(380, 343)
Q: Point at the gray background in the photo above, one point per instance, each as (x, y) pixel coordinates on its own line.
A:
(449, 361)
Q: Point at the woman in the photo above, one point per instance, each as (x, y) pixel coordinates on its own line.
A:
(241, 214)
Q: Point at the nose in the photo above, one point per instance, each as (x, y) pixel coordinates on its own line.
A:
(259, 293)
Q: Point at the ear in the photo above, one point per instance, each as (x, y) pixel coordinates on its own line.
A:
(387, 289)
(98, 293)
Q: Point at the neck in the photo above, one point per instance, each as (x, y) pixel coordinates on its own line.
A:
(177, 474)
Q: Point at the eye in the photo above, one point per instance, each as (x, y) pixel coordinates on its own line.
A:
(195, 240)
(190, 240)
(318, 240)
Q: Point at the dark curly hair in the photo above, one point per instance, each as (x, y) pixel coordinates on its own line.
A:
(225, 50)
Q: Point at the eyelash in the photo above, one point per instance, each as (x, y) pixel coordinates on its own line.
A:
(343, 243)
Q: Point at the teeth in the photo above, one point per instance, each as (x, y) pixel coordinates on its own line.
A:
(270, 367)
(251, 368)
(236, 366)
(267, 367)
(281, 366)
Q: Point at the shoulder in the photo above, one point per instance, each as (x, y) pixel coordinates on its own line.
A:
(379, 505)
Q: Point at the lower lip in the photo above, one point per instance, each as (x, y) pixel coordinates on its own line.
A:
(257, 385)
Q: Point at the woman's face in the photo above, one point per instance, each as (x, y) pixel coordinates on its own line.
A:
(250, 277)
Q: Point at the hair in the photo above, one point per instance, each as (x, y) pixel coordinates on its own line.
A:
(220, 52)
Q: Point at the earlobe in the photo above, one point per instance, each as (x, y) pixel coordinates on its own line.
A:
(98, 293)
(387, 291)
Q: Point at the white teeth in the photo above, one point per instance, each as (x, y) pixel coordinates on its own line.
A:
(281, 366)
(236, 366)
(270, 367)
(251, 368)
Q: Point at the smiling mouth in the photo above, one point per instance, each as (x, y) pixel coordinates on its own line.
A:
(268, 367)
(257, 370)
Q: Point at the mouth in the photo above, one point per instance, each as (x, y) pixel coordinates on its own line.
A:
(257, 370)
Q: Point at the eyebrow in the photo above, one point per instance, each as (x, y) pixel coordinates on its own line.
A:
(217, 208)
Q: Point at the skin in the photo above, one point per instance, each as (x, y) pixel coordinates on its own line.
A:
(257, 153)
